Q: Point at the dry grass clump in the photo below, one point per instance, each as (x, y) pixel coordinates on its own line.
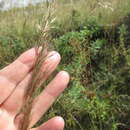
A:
(105, 11)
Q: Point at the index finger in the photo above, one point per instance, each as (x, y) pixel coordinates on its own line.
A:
(14, 73)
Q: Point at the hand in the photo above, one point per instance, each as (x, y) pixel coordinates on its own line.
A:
(14, 79)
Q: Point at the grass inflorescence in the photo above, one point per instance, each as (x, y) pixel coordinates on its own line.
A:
(36, 80)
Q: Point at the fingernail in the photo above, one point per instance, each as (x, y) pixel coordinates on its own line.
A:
(39, 49)
(54, 56)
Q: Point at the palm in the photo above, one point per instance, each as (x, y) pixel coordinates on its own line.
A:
(13, 82)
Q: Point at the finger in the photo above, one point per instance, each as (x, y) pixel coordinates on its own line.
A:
(49, 65)
(49, 95)
(56, 123)
(11, 75)
(16, 71)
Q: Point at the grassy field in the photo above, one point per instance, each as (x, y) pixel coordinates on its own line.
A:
(93, 38)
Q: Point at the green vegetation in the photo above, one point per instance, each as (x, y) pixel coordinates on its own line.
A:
(92, 37)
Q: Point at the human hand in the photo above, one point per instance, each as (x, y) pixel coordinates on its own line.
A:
(13, 81)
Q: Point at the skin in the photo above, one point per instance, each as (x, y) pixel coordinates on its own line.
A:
(13, 81)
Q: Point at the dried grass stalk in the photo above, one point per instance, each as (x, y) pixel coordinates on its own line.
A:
(35, 81)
